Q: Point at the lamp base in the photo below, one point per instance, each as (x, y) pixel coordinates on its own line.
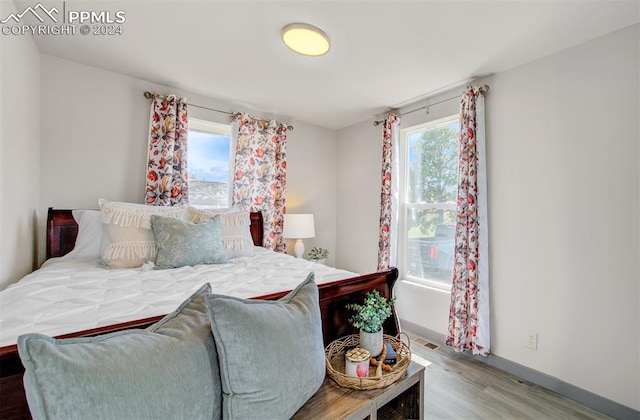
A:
(299, 248)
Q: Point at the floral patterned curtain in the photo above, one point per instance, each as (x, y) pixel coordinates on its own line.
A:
(167, 158)
(261, 174)
(388, 195)
(469, 310)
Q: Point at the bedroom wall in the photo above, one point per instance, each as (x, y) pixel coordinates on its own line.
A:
(19, 152)
(562, 144)
(358, 205)
(95, 126)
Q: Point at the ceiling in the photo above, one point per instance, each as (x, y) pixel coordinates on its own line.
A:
(383, 54)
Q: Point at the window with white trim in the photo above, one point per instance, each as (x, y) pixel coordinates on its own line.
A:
(209, 162)
(427, 201)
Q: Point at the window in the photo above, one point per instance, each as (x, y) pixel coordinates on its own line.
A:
(427, 202)
(209, 154)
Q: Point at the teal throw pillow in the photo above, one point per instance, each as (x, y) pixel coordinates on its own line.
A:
(181, 242)
(271, 352)
(168, 371)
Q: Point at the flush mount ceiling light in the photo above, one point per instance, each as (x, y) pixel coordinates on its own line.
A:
(305, 39)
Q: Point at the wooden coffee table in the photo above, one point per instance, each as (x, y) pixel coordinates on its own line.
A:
(403, 399)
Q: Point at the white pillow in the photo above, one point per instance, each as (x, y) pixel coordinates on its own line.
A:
(128, 227)
(89, 240)
(236, 229)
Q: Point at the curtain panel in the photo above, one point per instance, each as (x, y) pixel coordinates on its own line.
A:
(469, 311)
(387, 240)
(260, 177)
(167, 182)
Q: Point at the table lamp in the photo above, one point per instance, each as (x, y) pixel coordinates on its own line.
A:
(298, 227)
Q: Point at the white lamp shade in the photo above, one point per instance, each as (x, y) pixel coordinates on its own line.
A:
(299, 226)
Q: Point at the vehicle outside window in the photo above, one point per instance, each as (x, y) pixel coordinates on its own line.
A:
(428, 200)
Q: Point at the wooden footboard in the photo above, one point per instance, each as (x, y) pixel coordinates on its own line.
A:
(333, 298)
(335, 295)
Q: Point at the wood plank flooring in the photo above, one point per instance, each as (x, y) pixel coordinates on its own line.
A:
(459, 387)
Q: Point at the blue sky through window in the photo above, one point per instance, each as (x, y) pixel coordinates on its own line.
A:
(208, 156)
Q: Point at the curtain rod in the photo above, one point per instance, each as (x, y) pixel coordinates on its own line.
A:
(483, 89)
(233, 115)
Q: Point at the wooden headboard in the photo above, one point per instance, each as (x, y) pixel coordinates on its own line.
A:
(62, 231)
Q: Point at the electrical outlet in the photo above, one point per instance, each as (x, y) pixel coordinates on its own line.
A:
(532, 340)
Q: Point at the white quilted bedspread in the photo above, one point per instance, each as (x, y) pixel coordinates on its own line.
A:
(66, 296)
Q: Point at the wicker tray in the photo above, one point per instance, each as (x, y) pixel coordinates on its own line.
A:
(335, 364)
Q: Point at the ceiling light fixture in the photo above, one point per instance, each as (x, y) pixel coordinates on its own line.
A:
(305, 39)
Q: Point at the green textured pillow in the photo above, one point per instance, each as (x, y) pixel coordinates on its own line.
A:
(181, 242)
(271, 352)
(168, 371)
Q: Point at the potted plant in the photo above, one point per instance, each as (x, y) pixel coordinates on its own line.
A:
(369, 318)
(318, 255)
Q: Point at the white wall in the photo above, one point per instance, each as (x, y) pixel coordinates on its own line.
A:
(311, 183)
(358, 205)
(562, 145)
(564, 197)
(94, 144)
(19, 152)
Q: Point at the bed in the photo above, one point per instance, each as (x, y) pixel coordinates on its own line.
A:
(336, 287)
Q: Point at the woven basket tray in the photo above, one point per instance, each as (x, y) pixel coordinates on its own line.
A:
(335, 364)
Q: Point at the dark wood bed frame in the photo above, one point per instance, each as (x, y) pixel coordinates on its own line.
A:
(61, 235)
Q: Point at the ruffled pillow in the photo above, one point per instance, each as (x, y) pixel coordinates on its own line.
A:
(236, 229)
(130, 240)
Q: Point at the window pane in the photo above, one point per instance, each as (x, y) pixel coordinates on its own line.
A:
(433, 164)
(431, 238)
(429, 195)
(208, 169)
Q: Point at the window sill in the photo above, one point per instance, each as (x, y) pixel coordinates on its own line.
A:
(427, 284)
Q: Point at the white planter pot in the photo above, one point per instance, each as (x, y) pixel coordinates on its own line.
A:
(322, 261)
(372, 342)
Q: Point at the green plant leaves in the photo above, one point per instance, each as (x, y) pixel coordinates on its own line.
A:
(370, 316)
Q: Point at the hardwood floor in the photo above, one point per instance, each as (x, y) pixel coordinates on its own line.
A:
(459, 387)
